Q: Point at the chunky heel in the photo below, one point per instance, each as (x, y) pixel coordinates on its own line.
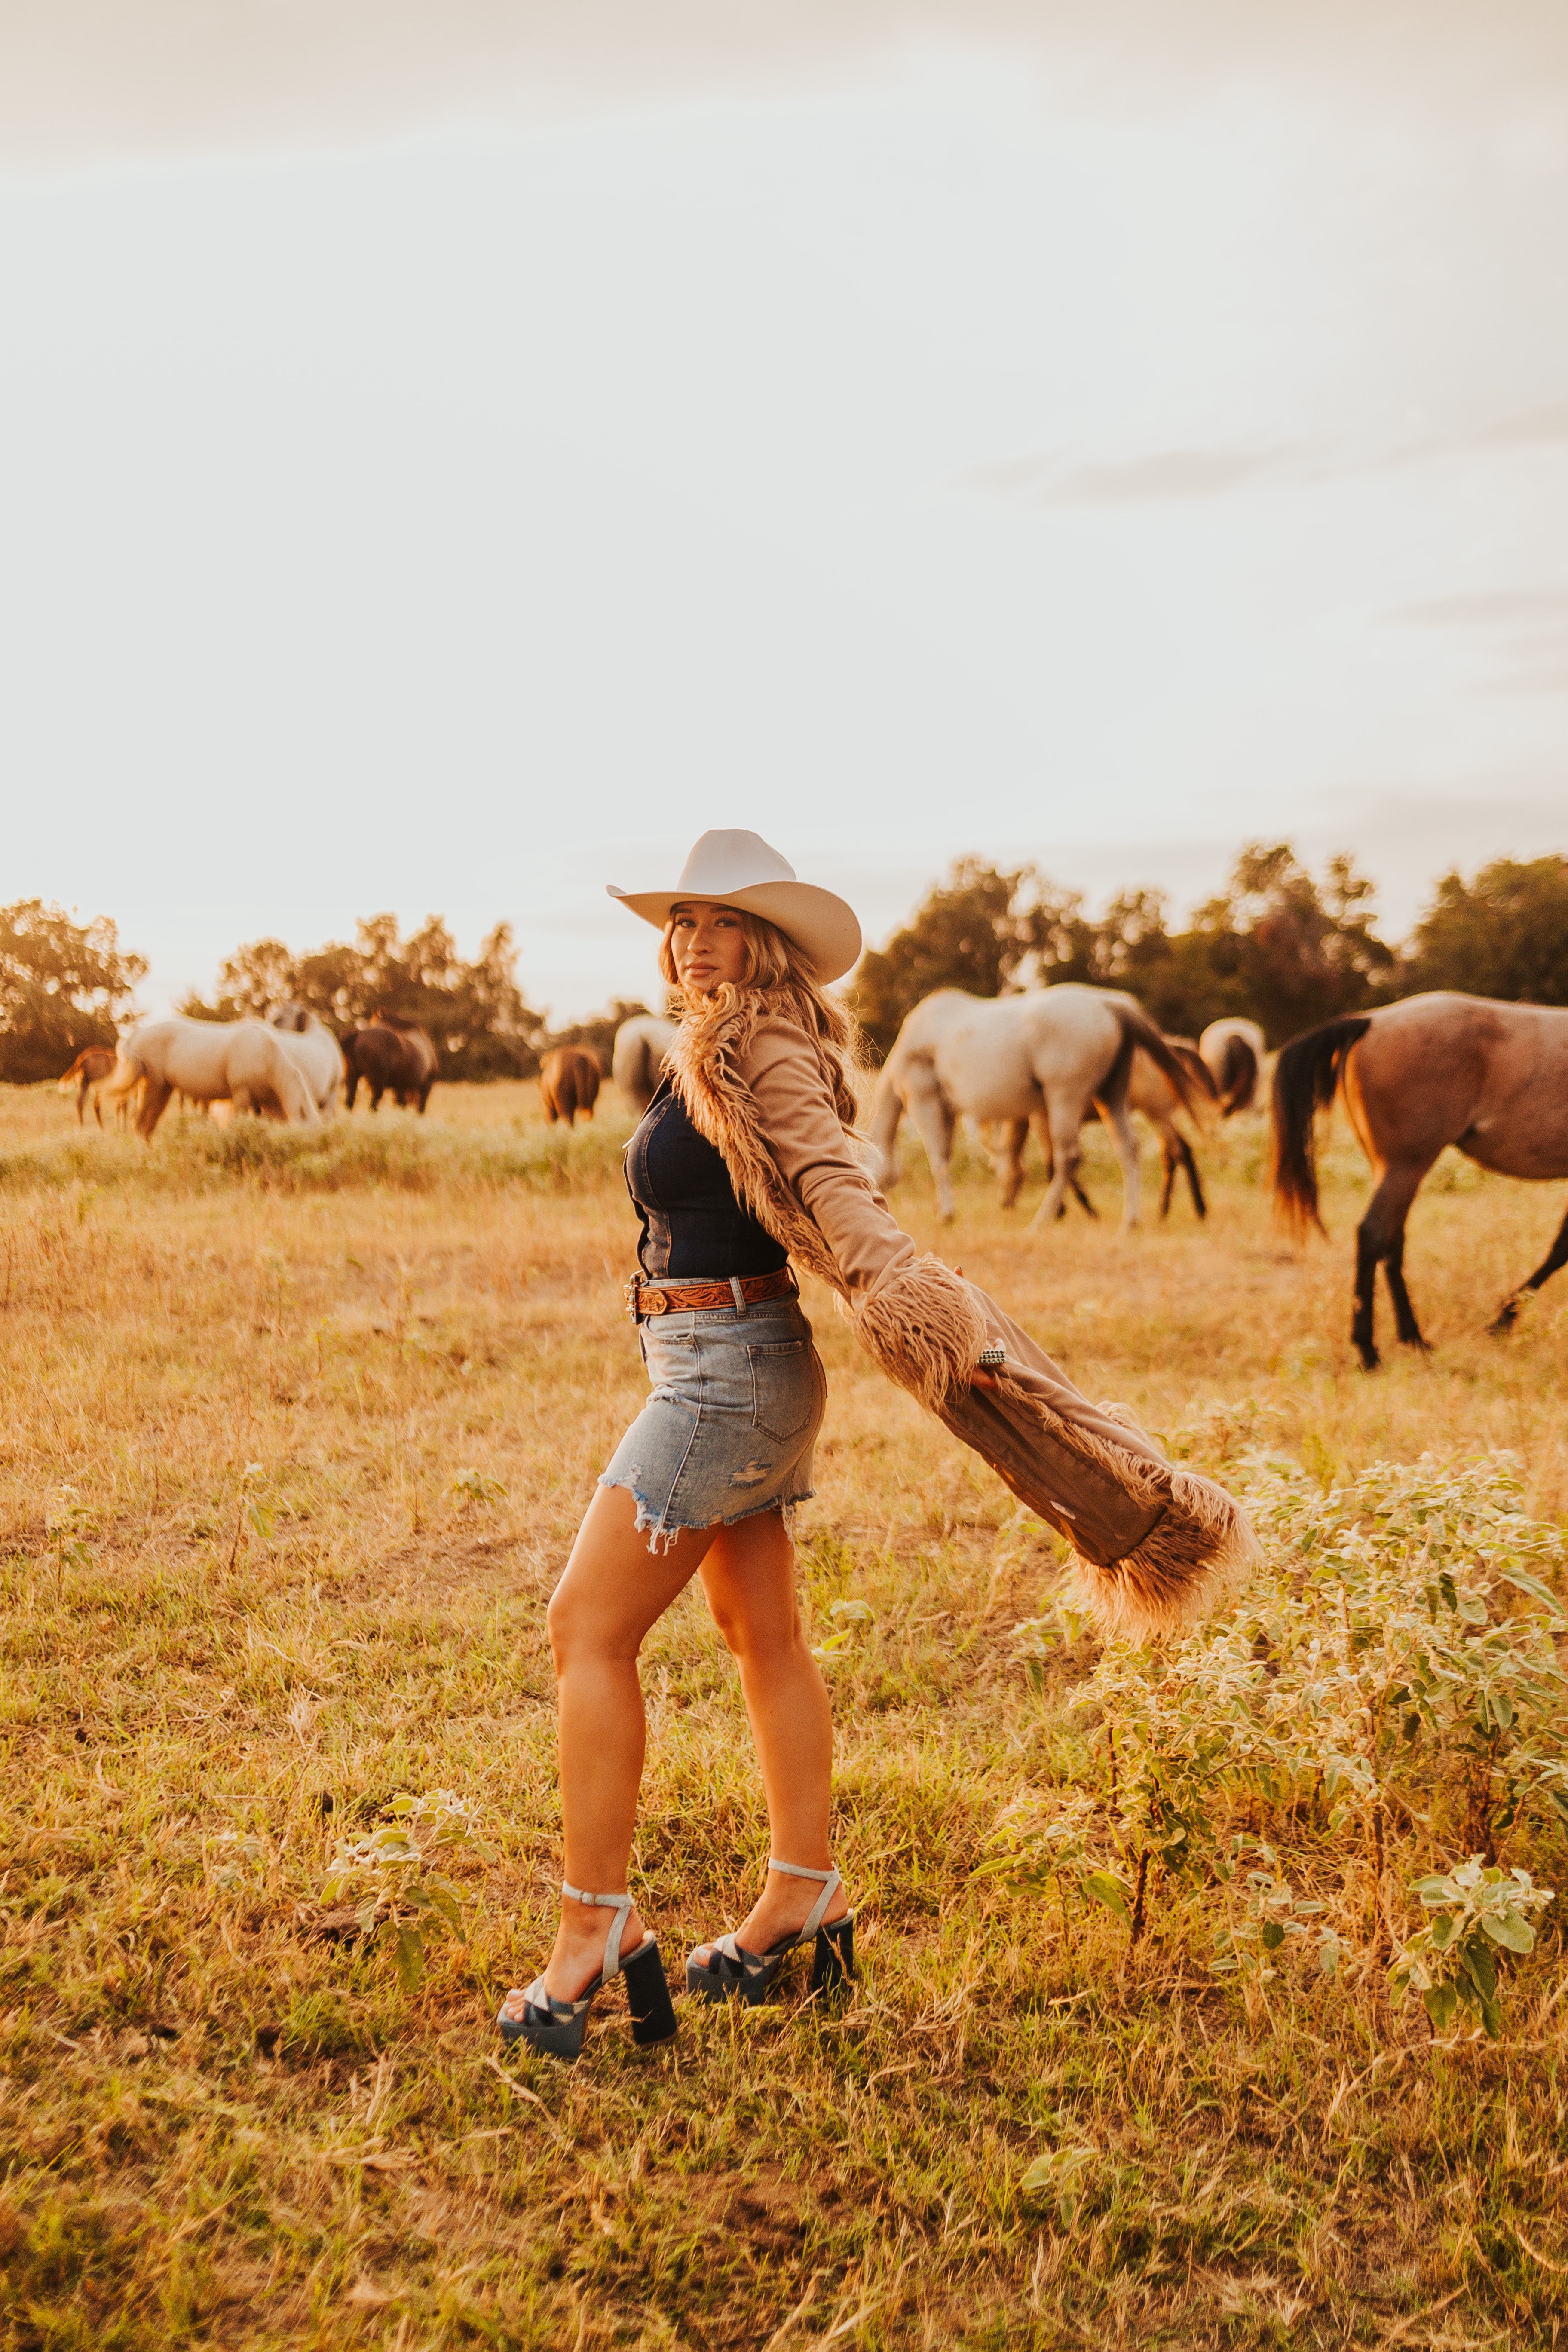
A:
(735, 1974)
(833, 1962)
(557, 2026)
(648, 1995)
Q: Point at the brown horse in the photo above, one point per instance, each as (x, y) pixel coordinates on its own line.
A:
(1489, 1077)
(85, 1077)
(569, 1082)
(391, 1055)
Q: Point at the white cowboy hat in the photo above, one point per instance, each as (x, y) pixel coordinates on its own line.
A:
(739, 870)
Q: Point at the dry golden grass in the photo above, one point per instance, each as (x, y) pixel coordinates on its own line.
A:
(218, 2128)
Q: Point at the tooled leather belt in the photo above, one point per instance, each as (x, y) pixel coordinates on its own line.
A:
(644, 1298)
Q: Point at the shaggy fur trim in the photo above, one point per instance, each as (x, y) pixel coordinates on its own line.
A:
(1202, 1548)
(923, 1329)
(1202, 1545)
(703, 1066)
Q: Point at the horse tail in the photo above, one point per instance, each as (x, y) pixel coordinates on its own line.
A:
(1198, 1070)
(1307, 1077)
(1140, 1034)
(1237, 1075)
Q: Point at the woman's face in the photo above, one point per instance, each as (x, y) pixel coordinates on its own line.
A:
(708, 944)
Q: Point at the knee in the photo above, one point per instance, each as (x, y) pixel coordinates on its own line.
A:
(577, 1633)
(759, 1641)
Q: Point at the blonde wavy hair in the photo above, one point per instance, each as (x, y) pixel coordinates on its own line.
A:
(775, 981)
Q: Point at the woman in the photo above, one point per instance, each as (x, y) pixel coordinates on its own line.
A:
(705, 1480)
(742, 1162)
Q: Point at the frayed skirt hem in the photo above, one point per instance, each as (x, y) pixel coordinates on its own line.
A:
(661, 1533)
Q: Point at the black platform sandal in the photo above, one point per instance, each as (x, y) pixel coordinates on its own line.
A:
(735, 1974)
(558, 2026)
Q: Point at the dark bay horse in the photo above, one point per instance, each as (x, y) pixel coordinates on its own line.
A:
(390, 1054)
(1489, 1077)
(569, 1081)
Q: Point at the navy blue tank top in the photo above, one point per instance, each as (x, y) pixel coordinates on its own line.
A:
(693, 1227)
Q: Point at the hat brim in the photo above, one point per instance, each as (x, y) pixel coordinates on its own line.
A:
(824, 927)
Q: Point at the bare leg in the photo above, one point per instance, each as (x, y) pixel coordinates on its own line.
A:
(751, 1590)
(613, 1591)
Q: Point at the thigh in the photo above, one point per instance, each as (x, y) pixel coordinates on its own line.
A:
(614, 1587)
(748, 1579)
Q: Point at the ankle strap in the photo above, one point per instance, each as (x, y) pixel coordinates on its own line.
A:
(828, 1880)
(621, 1905)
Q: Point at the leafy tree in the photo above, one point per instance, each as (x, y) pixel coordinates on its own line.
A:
(981, 930)
(1275, 945)
(1505, 934)
(474, 1012)
(63, 985)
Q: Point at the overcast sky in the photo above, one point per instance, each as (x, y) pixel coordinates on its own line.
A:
(449, 458)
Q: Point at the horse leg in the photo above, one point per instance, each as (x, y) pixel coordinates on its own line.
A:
(80, 1099)
(1009, 1159)
(425, 1097)
(1556, 1257)
(155, 1093)
(933, 1122)
(1195, 1182)
(1380, 1241)
(1170, 1161)
(1116, 1118)
(1064, 1117)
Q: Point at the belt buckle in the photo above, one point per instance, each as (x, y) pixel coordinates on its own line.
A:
(630, 1292)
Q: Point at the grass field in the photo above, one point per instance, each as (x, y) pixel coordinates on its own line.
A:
(293, 1440)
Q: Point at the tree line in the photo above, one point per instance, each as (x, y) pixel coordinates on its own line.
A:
(1278, 944)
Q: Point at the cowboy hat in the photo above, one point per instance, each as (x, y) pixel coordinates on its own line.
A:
(739, 870)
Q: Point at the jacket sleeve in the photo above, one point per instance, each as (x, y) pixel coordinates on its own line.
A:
(814, 1157)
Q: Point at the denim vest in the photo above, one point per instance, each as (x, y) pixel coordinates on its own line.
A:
(693, 1224)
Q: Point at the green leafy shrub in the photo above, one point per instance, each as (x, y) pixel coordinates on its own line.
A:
(1381, 1701)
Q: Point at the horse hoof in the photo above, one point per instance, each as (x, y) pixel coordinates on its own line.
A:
(1505, 1318)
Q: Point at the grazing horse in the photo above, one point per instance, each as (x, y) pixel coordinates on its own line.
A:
(1234, 1052)
(636, 1061)
(86, 1076)
(1046, 1054)
(313, 1044)
(391, 1055)
(241, 1062)
(1489, 1077)
(1149, 1092)
(569, 1081)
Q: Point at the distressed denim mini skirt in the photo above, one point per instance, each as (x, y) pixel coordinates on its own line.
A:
(737, 1402)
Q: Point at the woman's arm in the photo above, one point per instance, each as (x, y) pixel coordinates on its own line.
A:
(814, 1156)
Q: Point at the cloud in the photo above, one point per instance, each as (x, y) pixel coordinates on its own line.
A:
(89, 78)
(1529, 626)
(1495, 608)
(1163, 473)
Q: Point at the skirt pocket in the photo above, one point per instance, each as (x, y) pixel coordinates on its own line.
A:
(784, 1388)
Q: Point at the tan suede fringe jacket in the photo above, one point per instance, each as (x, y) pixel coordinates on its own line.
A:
(1154, 1545)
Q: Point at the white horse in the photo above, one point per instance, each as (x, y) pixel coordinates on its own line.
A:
(637, 1063)
(311, 1044)
(1151, 1094)
(1044, 1056)
(241, 1062)
(1233, 1052)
